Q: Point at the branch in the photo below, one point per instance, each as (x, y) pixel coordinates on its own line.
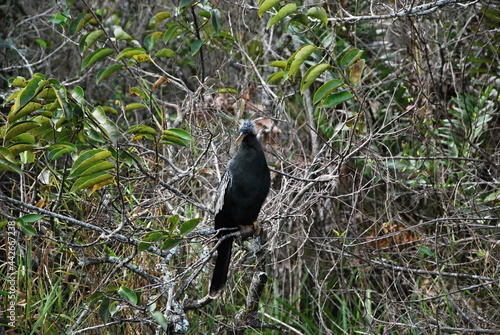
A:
(407, 12)
(104, 232)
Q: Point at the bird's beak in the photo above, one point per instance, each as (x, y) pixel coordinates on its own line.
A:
(240, 138)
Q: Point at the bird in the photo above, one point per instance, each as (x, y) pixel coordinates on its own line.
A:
(239, 199)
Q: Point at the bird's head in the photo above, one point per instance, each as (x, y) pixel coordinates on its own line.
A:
(247, 128)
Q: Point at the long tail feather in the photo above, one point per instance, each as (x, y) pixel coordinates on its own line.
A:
(219, 276)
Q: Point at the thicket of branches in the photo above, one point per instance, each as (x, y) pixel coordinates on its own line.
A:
(118, 119)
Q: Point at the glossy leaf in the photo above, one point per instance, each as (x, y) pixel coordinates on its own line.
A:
(312, 74)
(278, 63)
(89, 157)
(325, 89)
(170, 33)
(120, 34)
(93, 169)
(129, 53)
(104, 310)
(61, 148)
(318, 13)
(20, 128)
(91, 180)
(134, 105)
(168, 53)
(160, 318)
(106, 72)
(26, 228)
(277, 76)
(282, 13)
(128, 295)
(7, 165)
(151, 39)
(189, 225)
(158, 17)
(89, 40)
(106, 125)
(337, 98)
(350, 57)
(140, 129)
(299, 58)
(195, 48)
(96, 56)
(265, 5)
(176, 136)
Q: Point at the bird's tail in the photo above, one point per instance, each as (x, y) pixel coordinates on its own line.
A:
(219, 277)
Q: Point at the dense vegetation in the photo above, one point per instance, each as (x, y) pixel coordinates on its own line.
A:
(382, 132)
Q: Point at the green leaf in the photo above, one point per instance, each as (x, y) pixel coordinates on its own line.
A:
(176, 136)
(103, 73)
(31, 218)
(7, 165)
(106, 125)
(150, 40)
(144, 246)
(158, 17)
(282, 13)
(35, 85)
(189, 225)
(278, 63)
(79, 22)
(230, 90)
(26, 228)
(337, 98)
(217, 21)
(318, 13)
(153, 237)
(96, 56)
(88, 40)
(277, 76)
(170, 33)
(265, 5)
(99, 179)
(160, 318)
(312, 74)
(168, 53)
(27, 109)
(299, 57)
(325, 89)
(104, 310)
(134, 105)
(61, 148)
(350, 57)
(170, 242)
(62, 98)
(195, 48)
(21, 147)
(187, 3)
(128, 295)
(120, 34)
(89, 157)
(93, 169)
(129, 53)
(17, 81)
(140, 129)
(20, 128)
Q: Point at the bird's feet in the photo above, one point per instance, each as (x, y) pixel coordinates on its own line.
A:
(250, 230)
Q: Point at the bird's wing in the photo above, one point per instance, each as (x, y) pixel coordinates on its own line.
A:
(221, 191)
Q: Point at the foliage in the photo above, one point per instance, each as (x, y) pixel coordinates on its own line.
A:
(117, 120)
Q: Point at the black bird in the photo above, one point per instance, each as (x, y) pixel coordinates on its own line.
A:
(240, 196)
